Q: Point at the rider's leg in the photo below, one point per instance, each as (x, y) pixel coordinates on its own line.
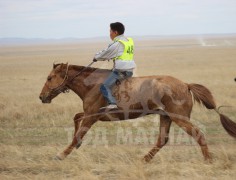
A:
(106, 87)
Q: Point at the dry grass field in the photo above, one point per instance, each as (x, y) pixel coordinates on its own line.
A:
(32, 133)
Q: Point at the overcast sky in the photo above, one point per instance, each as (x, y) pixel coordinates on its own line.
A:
(91, 18)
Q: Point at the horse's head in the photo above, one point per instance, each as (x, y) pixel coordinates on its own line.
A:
(56, 83)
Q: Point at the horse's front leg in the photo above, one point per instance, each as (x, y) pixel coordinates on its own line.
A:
(85, 125)
(77, 120)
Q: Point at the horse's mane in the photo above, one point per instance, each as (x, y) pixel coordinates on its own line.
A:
(88, 69)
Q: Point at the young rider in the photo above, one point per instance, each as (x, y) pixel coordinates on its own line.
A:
(121, 51)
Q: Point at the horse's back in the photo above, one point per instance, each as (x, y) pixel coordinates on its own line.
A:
(165, 91)
(159, 82)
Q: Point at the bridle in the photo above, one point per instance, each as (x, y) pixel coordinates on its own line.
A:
(66, 90)
(59, 87)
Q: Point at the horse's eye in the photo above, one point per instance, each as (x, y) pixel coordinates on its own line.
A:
(49, 78)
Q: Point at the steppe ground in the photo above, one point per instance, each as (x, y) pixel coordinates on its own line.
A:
(32, 133)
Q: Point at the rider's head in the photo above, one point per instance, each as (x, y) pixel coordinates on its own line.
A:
(116, 29)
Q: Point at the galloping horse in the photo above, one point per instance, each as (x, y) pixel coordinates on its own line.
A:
(136, 97)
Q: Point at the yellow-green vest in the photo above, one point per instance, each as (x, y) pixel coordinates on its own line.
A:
(128, 53)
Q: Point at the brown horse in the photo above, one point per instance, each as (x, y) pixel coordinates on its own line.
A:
(136, 97)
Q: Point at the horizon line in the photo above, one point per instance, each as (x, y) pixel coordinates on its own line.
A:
(101, 37)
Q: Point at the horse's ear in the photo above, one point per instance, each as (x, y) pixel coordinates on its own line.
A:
(63, 65)
(55, 64)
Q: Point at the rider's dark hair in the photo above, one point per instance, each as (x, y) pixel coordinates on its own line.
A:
(117, 26)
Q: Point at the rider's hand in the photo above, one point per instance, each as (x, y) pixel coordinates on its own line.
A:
(95, 60)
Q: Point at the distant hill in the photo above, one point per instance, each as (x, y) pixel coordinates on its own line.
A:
(36, 41)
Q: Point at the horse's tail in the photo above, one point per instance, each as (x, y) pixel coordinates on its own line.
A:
(203, 96)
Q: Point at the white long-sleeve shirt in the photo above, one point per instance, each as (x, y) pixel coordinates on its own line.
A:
(116, 49)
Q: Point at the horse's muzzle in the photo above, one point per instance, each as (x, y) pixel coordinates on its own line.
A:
(44, 99)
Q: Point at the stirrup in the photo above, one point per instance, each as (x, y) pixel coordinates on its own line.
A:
(108, 108)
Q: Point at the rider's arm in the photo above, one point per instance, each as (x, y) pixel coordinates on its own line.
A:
(115, 49)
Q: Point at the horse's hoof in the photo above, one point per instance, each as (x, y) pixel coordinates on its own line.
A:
(60, 157)
(146, 159)
(56, 158)
(208, 160)
(78, 145)
(79, 142)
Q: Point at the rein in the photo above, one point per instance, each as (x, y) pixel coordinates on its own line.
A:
(81, 71)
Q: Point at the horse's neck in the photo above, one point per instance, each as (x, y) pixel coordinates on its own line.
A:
(77, 87)
(86, 81)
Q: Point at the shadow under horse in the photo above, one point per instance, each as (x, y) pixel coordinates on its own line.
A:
(167, 96)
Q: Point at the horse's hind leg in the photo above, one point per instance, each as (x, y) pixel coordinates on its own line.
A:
(77, 118)
(165, 123)
(195, 132)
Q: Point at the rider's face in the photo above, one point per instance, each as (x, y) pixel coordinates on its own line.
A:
(113, 34)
